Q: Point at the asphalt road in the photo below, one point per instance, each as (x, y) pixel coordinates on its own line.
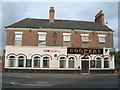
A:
(59, 81)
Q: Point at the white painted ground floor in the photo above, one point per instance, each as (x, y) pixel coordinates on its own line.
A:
(58, 58)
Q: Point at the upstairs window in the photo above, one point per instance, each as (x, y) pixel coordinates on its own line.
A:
(102, 38)
(42, 38)
(85, 37)
(66, 39)
(18, 38)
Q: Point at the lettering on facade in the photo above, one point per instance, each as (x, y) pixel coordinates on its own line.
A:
(84, 51)
(51, 50)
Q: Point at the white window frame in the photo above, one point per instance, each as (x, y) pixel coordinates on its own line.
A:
(85, 35)
(102, 36)
(18, 33)
(42, 33)
(66, 34)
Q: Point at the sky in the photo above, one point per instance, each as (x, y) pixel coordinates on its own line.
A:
(12, 12)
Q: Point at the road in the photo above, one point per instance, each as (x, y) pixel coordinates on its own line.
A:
(59, 81)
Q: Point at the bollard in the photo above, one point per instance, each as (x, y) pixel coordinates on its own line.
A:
(35, 72)
(111, 71)
(62, 71)
(9, 70)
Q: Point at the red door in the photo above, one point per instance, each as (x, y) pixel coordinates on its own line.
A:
(85, 66)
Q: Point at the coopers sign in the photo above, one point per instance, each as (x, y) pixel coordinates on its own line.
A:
(84, 51)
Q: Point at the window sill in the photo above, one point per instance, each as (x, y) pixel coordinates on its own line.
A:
(102, 42)
(84, 41)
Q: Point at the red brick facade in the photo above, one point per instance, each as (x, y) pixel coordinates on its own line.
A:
(30, 38)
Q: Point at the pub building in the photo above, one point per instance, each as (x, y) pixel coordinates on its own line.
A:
(52, 45)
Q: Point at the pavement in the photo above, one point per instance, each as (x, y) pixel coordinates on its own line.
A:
(25, 80)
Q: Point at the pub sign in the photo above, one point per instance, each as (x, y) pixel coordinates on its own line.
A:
(84, 51)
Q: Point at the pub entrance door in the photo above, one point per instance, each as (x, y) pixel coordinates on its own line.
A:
(85, 66)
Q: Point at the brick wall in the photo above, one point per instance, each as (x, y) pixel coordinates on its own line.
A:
(30, 38)
(10, 37)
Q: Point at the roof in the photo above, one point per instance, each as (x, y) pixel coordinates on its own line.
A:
(59, 24)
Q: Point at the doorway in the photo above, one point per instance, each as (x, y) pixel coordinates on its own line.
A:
(85, 66)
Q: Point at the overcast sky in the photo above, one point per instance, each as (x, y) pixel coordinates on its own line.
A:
(83, 11)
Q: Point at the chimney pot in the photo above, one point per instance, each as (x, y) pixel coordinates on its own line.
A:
(99, 18)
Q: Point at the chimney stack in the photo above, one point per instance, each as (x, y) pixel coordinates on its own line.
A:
(99, 18)
(51, 14)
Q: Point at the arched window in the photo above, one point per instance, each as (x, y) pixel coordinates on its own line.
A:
(106, 62)
(98, 62)
(36, 61)
(85, 57)
(12, 61)
(21, 61)
(62, 62)
(45, 62)
(71, 62)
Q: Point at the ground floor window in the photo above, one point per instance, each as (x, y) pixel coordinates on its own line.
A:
(98, 62)
(45, 62)
(21, 61)
(62, 62)
(36, 61)
(95, 63)
(92, 63)
(71, 62)
(106, 62)
(11, 61)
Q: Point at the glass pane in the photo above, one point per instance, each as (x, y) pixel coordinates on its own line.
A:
(18, 36)
(98, 64)
(12, 62)
(92, 64)
(36, 63)
(62, 63)
(101, 39)
(28, 63)
(42, 37)
(18, 42)
(66, 43)
(66, 38)
(20, 63)
(106, 64)
(62, 58)
(85, 38)
(71, 63)
(46, 63)
(41, 43)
